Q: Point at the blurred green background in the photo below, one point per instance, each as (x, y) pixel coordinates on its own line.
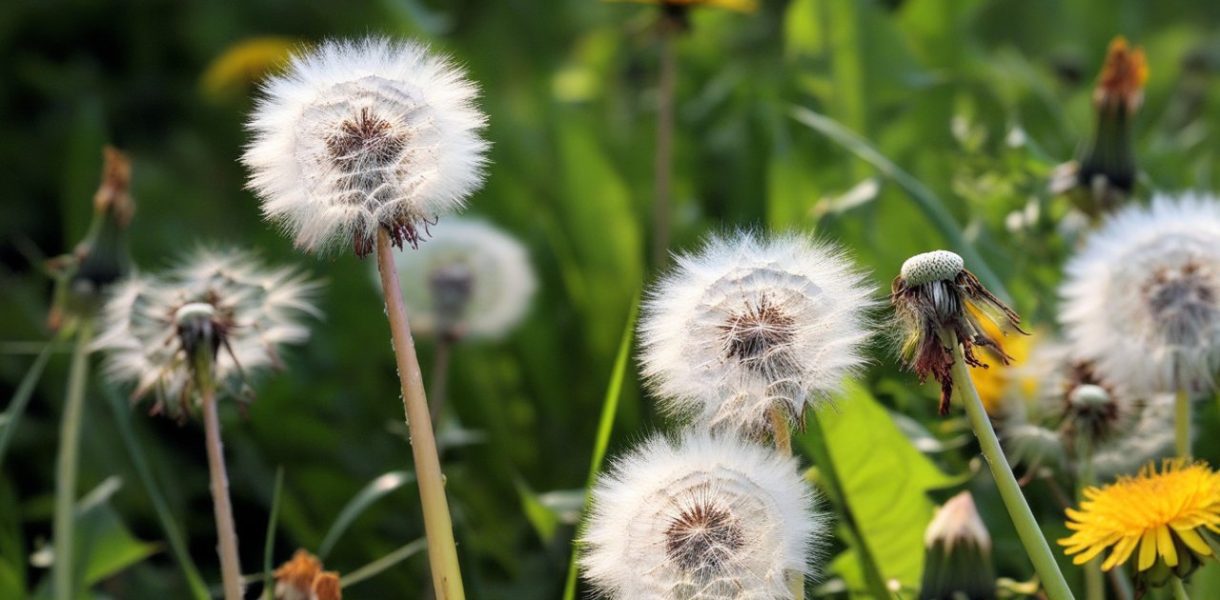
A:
(977, 100)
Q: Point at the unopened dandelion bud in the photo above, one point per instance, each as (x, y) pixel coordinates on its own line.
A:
(935, 297)
(750, 324)
(1141, 299)
(957, 554)
(702, 518)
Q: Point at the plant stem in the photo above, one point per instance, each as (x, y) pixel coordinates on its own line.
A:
(1181, 406)
(62, 574)
(1018, 510)
(440, 378)
(438, 528)
(226, 529)
(1179, 589)
(663, 167)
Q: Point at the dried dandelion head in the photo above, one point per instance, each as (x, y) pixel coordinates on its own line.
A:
(220, 307)
(1141, 300)
(934, 295)
(701, 518)
(749, 323)
(365, 135)
(471, 280)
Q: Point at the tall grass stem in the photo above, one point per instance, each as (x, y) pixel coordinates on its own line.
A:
(62, 571)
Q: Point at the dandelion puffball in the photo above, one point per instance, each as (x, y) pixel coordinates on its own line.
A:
(700, 518)
(361, 135)
(749, 323)
(470, 280)
(1141, 299)
(245, 309)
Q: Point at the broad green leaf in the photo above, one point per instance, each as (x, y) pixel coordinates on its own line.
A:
(884, 480)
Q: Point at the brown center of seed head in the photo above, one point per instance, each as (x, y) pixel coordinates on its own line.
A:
(703, 537)
(1183, 302)
(755, 335)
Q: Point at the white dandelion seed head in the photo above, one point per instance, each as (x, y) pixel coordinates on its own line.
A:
(750, 322)
(358, 135)
(937, 265)
(254, 308)
(472, 279)
(1141, 300)
(700, 518)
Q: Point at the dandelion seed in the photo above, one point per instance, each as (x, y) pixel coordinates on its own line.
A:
(471, 280)
(747, 324)
(152, 325)
(358, 136)
(1170, 517)
(934, 293)
(1141, 300)
(701, 518)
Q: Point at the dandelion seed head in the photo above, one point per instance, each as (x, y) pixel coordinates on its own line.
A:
(1141, 300)
(747, 323)
(700, 518)
(471, 280)
(361, 135)
(244, 309)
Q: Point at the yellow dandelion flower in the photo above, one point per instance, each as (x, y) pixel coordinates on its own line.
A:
(1165, 515)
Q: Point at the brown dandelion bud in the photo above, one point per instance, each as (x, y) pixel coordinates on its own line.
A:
(935, 296)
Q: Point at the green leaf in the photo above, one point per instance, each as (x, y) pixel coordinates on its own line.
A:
(884, 480)
(372, 492)
(604, 427)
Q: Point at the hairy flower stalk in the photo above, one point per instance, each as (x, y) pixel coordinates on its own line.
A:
(939, 303)
(368, 144)
(700, 518)
(1141, 301)
(204, 328)
(749, 331)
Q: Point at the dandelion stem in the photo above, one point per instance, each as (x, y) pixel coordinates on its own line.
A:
(666, 85)
(66, 470)
(226, 529)
(1182, 423)
(438, 528)
(1179, 589)
(1018, 510)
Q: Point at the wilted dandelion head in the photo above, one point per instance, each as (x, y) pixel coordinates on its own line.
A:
(361, 135)
(1171, 517)
(471, 279)
(700, 518)
(935, 294)
(222, 305)
(748, 323)
(1141, 300)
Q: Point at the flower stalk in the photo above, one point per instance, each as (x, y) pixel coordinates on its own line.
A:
(62, 571)
(1022, 518)
(438, 527)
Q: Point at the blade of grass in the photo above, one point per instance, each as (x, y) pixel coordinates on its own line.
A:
(927, 201)
(372, 492)
(604, 427)
(383, 563)
(122, 417)
(272, 522)
(25, 390)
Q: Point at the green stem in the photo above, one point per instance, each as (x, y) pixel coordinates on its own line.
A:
(194, 581)
(1182, 423)
(1179, 589)
(822, 457)
(62, 574)
(1018, 510)
(438, 526)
